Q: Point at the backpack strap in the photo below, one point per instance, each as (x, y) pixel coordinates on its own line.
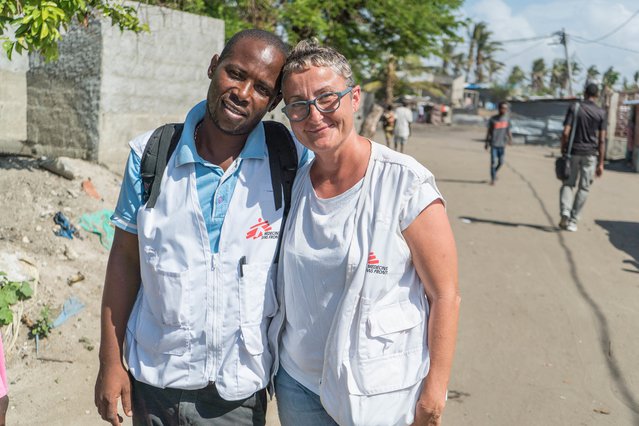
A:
(155, 157)
(283, 162)
(573, 130)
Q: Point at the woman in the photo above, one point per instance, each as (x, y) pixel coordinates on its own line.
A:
(367, 281)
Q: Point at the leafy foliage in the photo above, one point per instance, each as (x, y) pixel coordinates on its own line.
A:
(368, 33)
(10, 293)
(39, 24)
(42, 327)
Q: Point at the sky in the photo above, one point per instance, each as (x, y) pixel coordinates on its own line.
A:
(581, 19)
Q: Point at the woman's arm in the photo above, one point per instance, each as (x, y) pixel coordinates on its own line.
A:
(434, 255)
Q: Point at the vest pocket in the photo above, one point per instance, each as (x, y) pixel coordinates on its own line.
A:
(155, 337)
(166, 293)
(391, 348)
(257, 294)
(252, 337)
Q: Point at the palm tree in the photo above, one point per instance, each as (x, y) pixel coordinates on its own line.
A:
(494, 67)
(538, 76)
(458, 64)
(635, 78)
(610, 78)
(559, 76)
(473, 36)
(516, 77)
(592, 73)
(448, 51)
(485, 54)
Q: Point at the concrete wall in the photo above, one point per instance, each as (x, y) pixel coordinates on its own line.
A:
(109, 86)
(13, 103)
(152, 78)
(64, 96)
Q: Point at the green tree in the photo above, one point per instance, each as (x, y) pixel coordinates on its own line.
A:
(559, 76)
(38, 24)
(474, 35)
(447, 55)
(516, 78)
(592, 73)
(538, 76)
(369, 33)
(610, 78)
(239, 14)
(485, 61)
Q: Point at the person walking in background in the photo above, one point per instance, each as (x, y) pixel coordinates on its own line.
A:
(496, 138)
(388, 122)
(367, 283)
(586, 155)
(403, 120)
(189, 280)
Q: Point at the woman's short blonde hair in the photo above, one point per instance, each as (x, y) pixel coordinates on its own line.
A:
(308, 53)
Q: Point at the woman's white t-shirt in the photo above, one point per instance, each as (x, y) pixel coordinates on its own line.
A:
(314, 262)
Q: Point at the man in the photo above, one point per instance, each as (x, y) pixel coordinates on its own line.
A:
(587, 155)
(403, 119)
(388, 122)
(497, 137)
(189, 281)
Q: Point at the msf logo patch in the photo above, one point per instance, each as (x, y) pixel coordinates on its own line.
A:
(261, 231)
(373, 266)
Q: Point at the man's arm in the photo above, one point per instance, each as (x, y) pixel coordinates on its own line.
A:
(565, 136)
(121, 287)
(432, 247)
(602, 153)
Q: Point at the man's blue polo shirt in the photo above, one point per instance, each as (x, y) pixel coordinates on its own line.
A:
(214, 187)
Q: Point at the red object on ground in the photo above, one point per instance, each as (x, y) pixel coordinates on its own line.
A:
(87, 186)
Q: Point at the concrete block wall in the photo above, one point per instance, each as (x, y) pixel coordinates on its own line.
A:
(64, 96)
(153, 78)
(109, 86)
(13, 102)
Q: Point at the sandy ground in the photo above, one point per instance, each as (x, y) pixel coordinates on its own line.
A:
(549, 319)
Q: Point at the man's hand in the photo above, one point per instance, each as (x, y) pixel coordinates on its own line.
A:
(599, 171)
(428, 412)
(486, 146)
(112, 383)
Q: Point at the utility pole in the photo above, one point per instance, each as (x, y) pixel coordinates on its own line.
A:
(563, 39)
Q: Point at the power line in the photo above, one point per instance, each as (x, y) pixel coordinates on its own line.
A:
(526, 49)
(584, 41)
(613, 31)
(521, 40)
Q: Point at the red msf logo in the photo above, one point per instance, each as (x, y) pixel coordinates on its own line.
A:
(256, 231)
(373, 266)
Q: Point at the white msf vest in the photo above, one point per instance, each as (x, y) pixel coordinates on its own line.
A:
(199, 317)
(376, 354)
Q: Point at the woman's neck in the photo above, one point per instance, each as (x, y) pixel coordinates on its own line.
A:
(337, 171)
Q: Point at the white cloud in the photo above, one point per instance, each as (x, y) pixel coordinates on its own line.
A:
(588, 19)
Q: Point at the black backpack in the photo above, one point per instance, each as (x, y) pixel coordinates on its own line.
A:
(281, 152)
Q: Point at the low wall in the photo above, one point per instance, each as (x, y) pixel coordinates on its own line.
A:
(108, 86)
(13, 103)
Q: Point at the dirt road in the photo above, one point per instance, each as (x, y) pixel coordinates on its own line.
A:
(549, 323)
(548, 331)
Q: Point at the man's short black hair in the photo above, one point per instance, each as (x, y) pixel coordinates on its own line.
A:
(592, 90)
(502, 103)
(254, 34)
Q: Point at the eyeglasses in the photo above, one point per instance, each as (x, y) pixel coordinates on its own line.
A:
(326, 102)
